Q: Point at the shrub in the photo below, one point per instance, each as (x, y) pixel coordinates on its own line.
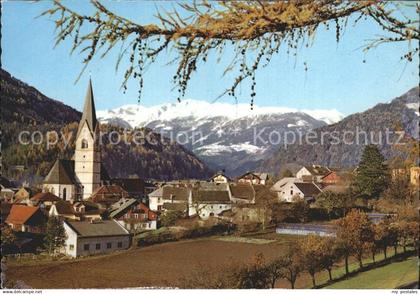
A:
(197, 232)
(169, 218)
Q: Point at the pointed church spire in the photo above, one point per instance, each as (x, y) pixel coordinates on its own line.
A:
(89, 112)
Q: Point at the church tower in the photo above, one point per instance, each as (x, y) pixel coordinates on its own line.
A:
(87, 157)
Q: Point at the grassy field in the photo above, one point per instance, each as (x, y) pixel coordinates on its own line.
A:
(165, 265)
(387, 277)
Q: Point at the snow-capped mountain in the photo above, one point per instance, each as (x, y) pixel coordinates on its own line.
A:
(226, 136)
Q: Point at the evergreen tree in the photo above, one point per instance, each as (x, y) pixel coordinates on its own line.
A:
(55, 236)
(373, 175)
(287, 173)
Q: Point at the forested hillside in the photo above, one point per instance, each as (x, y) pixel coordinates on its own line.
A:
(26, 109)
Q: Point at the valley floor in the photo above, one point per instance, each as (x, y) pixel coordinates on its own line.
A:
(169, 264)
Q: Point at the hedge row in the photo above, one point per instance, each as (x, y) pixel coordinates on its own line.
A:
(197, 232)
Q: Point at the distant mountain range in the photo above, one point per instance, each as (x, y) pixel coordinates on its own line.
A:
(210, 136)
(25, 108)
(401, 114)
(221, 134)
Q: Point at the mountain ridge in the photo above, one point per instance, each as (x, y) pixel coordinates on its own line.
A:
(221, 134)
(400, 114)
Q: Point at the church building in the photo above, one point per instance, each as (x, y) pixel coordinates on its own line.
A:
(78, 178)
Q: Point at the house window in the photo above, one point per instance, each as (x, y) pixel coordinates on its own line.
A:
(119, 245)
(108, 245)
(291, 192)
(98, 246)
(71, 247)
(84, 144)
(64, 194)
(136, 215)
(86, 247)
(220, 207)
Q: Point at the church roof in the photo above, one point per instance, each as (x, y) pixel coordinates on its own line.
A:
(89, 112)
(62, 172)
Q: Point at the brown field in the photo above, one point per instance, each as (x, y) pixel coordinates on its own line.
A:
(163, 265)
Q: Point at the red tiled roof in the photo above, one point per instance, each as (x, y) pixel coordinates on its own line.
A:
(19, 214)
(45, 196)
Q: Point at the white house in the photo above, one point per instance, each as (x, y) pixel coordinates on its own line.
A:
(291, 189)
(134, 215)
(168, 197)
(220, 177)
(254, 178)
(312, 173)
(203, 199)
(94, 237)
(209, 199)
(278, 186)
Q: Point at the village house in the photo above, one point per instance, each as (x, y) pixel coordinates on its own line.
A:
(253, 178)
(398, 172)
(332, 178)
(170, 197)
(209, 199)
(149, 187)
(242, 192)
(80, 210)
(78, 178)
(258, 212)
(24, 218)
(107, 195)
(278, 186)
(134, 215)
(204, 199)
(94, 237)
(24, 194)
(7, 190)
(312, 173)
(303, 190)
(415, 176)
(220, 177)
(43, 200)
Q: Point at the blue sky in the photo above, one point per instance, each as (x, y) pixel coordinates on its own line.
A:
(337, 78)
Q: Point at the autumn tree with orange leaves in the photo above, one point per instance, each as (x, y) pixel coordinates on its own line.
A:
(255, 30)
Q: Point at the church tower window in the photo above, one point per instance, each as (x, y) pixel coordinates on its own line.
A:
(84, 144)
